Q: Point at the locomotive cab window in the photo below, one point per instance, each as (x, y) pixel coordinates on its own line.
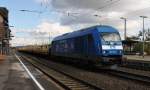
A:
(110, 36)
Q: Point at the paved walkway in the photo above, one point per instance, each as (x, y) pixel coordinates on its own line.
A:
(18, 74)
(136, 57)
(13, 76)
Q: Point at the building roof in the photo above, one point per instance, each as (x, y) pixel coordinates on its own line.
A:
(4, 13)
(128, 42)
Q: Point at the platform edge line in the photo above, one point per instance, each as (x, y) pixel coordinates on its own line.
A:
(30, 74)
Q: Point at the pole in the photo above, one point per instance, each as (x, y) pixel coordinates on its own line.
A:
(143, 17)
(49, 38)
(125, 27)
(143, 37)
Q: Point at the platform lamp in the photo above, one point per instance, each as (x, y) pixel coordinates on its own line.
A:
(143, 17)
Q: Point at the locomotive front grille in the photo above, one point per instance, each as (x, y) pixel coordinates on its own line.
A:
(108, 60)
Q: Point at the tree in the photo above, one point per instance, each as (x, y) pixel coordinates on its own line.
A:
(132, 38)
(147, 35)
(138, 47)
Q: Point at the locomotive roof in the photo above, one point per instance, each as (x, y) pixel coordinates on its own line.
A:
(85, 31)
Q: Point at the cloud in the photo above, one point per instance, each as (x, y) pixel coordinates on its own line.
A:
(43, 1)
(108, 10)
(82, 14)
(38, 35)
(132, 27)
(115, 5)
(21, 41)
(52, 29)
(84, 4)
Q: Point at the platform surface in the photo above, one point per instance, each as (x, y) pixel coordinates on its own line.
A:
(13, 75)
(138, 58)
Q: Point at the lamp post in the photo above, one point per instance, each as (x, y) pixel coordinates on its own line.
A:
(143, 17)
(125, 27)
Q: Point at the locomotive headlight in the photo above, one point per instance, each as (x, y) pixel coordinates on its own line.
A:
(104, 52)
(120, 51)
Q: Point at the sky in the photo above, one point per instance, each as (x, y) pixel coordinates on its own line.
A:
(32, 28)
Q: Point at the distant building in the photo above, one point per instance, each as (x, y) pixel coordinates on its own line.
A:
(4, 31)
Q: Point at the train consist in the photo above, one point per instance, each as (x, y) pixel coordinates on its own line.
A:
(94, 45)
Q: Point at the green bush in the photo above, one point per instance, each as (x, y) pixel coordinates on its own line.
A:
(139, 47)
(147, 48)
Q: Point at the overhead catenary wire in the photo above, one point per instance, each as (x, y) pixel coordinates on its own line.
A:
(33, 11)
(112, 2)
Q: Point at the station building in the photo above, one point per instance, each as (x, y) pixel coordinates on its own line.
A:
(4, 31)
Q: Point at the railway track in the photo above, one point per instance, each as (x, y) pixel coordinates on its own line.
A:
(139, 65)
(143, 80)
(64, 80)
(124, 74)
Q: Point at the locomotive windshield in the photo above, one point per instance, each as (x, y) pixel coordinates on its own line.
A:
(110, 36)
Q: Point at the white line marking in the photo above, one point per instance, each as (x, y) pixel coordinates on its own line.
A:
(29, 73)
(108, 47)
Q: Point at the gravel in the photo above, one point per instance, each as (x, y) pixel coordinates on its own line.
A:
(107, 82)
(98, 78)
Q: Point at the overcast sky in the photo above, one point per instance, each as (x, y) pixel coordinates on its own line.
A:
(35, 28)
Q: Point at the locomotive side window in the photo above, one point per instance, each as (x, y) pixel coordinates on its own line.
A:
(84, 44)
(91, 48)
(79, 44)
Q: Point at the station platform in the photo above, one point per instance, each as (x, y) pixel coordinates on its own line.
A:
(137, 62)
(13, 76)
(138, 58)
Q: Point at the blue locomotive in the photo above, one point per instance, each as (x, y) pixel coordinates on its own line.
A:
(98, 45)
